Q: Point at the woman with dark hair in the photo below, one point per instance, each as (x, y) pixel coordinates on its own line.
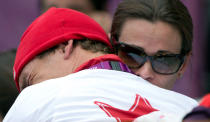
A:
(154, 38)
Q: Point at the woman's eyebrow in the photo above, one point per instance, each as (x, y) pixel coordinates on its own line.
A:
(136, 47)
(166, 52)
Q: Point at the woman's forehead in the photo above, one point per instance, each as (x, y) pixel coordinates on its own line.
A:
(152, 37)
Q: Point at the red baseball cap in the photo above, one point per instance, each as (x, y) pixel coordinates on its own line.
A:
(55, 26)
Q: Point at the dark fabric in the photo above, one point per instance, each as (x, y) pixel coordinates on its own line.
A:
(109, 65)
(97, 60)
(198, 113)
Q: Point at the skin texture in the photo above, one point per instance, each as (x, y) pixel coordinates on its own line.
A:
(81, 5)
(153, 37)
(62, 62)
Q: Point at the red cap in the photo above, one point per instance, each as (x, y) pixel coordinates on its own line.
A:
(55, 26)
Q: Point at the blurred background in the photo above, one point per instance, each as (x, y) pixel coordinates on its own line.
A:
(15, 16)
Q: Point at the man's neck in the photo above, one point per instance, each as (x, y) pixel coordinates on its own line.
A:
(79, 56)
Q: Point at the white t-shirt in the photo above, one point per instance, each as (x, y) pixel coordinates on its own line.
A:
(95, 95)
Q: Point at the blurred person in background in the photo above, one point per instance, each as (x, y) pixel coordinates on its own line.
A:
(96, 9)
(154, 38)
(8, 91)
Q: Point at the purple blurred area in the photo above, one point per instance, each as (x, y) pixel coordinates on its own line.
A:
(16, 15)
(193, 82)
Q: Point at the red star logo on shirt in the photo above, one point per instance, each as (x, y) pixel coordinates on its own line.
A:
(140, 107)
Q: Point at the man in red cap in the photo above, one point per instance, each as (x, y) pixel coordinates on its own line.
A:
(65, 73)
(54, 31)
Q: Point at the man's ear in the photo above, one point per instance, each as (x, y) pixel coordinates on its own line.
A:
(185, 64)
(68, 49)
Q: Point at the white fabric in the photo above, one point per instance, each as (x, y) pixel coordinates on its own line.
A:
(159, 116)
(77, 98)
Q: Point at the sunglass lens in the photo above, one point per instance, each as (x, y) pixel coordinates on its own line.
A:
(166, 64)
(131, 59)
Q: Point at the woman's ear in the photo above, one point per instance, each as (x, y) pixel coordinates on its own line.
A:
(185, 64)
(68, 49)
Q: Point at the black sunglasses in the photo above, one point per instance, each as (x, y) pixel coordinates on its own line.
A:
(135, 57)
